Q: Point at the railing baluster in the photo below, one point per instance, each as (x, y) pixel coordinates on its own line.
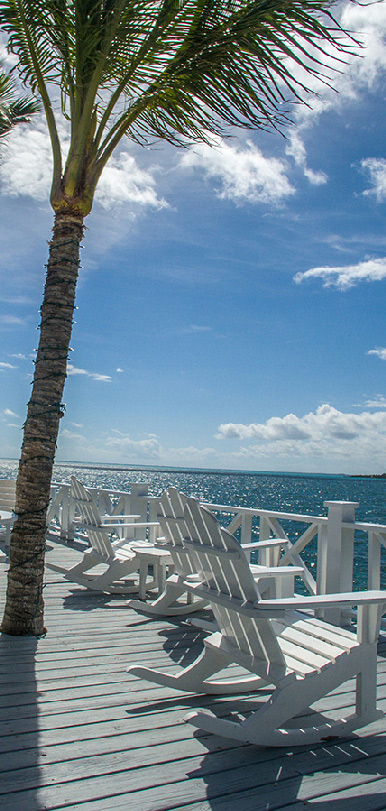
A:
(374, 561)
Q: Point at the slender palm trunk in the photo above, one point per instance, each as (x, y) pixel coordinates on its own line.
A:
(24, 610)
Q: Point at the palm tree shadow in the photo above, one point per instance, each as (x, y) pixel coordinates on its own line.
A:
(19, 718)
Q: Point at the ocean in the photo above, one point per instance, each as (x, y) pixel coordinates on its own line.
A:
(287, 492)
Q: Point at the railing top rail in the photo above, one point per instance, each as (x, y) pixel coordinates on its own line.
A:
(251, 511)
(111, 491)
(366, 527)
(311, 519)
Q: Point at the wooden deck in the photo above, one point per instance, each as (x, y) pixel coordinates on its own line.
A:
(78, 733)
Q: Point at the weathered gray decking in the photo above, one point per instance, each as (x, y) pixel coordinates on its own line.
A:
(78, 733)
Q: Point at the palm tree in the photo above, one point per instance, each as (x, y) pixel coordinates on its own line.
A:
(14, 109)
(178, 70)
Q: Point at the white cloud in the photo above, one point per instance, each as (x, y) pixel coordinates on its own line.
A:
(26, 169)
(8, 413)
(379, 401)
(7, 365)
(10, 320)
(26, 164)
(371, 270)
(244, 174)
(72, 435)
(296, 149)
(361, 71)
(380, 353)
(74, 370)
(326, 434)
(119, 370)
(376, 168)
(368, 23)
(123, 181)
(16, 300)
(146, 448)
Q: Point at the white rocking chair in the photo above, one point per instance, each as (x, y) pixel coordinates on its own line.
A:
(170, 515)
(119, 558)
(302, 657)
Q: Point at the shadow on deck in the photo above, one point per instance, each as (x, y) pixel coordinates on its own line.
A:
(77, 732)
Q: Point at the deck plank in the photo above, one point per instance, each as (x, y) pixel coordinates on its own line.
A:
(77, 732)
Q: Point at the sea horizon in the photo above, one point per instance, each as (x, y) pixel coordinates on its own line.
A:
(277, 491)
(122, 466)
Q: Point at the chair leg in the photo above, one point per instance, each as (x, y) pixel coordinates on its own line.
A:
(165, 605)
(366, 691)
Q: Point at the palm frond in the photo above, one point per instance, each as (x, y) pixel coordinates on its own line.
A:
(14, 109)
(170, 69)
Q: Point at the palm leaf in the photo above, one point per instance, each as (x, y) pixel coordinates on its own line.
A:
(171, 69)
(14, 109)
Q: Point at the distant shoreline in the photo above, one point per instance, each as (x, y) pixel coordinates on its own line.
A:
(367, 475)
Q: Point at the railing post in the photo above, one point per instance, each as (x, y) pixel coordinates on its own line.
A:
(374, 562)
(67, 512)
(246, 532)
(138, 504)
(270, 555)
(336, 555)
(153, 502)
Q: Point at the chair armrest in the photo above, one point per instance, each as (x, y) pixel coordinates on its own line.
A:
(139, 525)
(106, 518)
(271, 542)
(277, 608)
(374, 597)
(277, 571)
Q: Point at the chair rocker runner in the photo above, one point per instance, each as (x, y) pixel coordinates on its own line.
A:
(276, 643)
(170, 515)
(120, 558)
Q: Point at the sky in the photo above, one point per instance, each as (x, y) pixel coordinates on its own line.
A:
(231, 301)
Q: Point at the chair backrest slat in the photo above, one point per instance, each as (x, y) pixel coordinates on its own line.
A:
(170, 515)
(100, 542)
(91, 519)
(84, 503)
(225, 569)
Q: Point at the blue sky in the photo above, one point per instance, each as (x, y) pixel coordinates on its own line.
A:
(231, 302)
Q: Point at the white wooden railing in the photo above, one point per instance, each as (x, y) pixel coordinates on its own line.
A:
(136, 501)
(334, 552)
(334, 535)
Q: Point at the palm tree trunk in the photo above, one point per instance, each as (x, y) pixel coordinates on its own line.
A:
(24, 610)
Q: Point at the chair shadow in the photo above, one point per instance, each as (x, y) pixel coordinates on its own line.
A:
(82, 599)
(341, 776)
(250, 778)
(182, 642)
